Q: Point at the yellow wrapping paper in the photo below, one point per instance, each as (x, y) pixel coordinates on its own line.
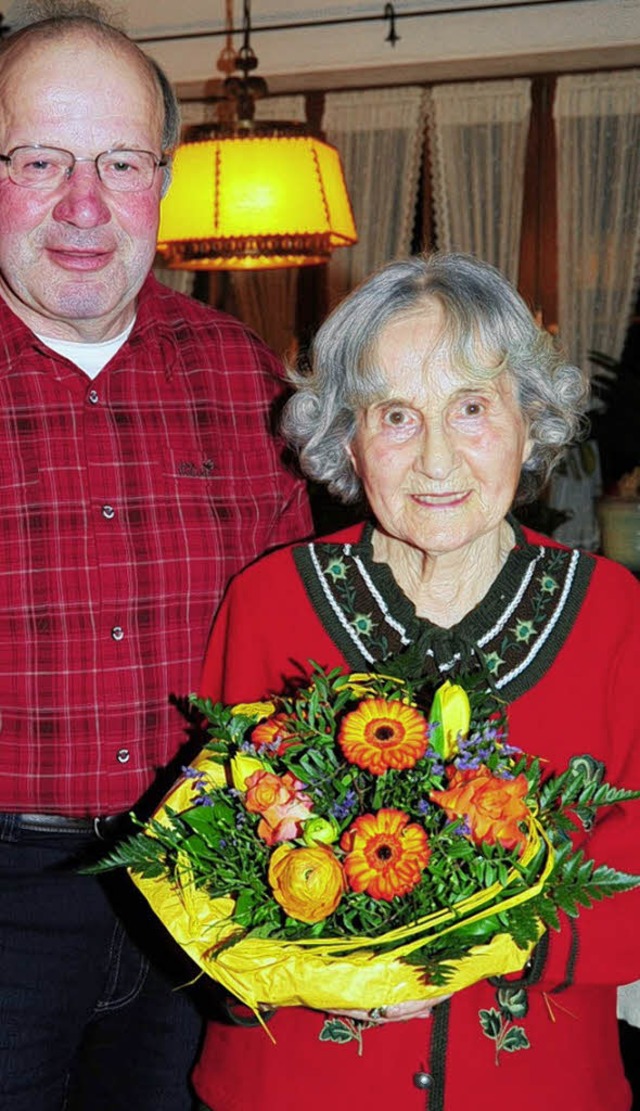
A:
(308, 973)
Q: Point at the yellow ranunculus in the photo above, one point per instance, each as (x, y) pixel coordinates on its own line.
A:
(308, 882)
(242, 766)
(449, 719)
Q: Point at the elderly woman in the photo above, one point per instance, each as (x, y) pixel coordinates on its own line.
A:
(433, 391)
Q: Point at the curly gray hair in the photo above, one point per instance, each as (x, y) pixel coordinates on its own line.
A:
(486, 321)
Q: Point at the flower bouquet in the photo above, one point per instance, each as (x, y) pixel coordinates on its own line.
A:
(367, 840)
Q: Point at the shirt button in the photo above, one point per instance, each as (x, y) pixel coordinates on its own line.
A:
(108, 512)
(123, 755)
(422, 1080)
(93, 397)
(117, 632)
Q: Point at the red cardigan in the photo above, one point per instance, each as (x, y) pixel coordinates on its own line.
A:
(571, 646)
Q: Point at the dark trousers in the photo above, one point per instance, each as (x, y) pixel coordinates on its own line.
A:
(630, 1046)
(86, 1022)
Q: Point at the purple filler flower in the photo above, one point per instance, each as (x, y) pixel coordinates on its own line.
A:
(340, 810)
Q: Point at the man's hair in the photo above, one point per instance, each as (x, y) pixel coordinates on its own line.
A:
(49, 19)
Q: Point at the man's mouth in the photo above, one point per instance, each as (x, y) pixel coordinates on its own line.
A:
(81, 259)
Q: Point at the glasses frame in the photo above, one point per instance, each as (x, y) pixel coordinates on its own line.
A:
(159, 163)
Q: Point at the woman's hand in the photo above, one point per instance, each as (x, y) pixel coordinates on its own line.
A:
(395, 1012)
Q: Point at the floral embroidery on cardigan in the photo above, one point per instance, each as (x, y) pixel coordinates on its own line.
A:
(519, 627)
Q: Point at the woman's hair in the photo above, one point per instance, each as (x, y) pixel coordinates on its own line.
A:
(487, 329)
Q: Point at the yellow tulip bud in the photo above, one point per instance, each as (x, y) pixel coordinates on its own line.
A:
(449, 719)
(242, 766)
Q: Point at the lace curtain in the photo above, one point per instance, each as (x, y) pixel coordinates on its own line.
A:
(598, 136)
(379, 133)
(478, 136)
(597, 120)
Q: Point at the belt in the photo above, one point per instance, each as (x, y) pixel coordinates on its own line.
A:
(109, 827)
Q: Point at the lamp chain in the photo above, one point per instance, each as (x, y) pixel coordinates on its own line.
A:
(245, 90)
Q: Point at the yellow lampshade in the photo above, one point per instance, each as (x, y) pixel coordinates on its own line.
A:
(254, 197)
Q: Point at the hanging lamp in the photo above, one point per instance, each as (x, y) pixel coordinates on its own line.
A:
(249, 194)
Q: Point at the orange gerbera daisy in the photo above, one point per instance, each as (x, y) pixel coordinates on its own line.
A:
(495, 809)
(386, 854)
(380, 735)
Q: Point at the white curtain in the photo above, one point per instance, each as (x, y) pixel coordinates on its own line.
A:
(478, 137)
(598, 136)
(597, 120)
(379, 133)
(266, 299)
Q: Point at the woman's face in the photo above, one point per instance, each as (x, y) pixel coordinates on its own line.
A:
(440, 455)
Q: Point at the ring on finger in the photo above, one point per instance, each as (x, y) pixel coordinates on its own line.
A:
(377, 1013)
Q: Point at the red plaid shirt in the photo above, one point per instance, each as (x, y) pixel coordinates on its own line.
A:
(127, 503)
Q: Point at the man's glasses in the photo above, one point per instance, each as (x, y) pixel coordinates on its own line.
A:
(46, 168)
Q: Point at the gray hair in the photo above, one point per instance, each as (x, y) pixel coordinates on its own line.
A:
(49, 19)
(486, 323)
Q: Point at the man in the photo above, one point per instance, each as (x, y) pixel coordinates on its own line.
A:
(137, 475)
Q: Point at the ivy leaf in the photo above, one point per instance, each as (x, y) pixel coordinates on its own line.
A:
(336, 1030)
(513, 1001)
(515, 1039)
(491, 1022)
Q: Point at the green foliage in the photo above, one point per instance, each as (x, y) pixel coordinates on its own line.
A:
(216, 838)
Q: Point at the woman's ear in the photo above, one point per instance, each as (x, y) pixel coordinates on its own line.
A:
(527, 449)
(350, 450)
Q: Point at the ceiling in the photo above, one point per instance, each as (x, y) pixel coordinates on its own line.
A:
(437, 39)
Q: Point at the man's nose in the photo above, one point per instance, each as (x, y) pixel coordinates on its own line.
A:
(83, 198)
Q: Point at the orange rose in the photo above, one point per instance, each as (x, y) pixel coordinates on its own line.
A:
(308, 882)
(275, 731)
(281, 802)
(493, 808)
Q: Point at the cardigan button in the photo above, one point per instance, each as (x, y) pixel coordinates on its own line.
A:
(422, 1080)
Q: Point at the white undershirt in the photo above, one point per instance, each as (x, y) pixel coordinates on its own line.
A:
(91, 357)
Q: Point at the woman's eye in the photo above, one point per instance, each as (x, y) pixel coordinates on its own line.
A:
(397, 418)
(472, 408)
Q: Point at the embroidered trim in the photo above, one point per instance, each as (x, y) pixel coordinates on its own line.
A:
(572, 959)
(438, 1056)
(381, 602)
(312, 549)
(520, 625)
(510, 609)
(546, 632)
